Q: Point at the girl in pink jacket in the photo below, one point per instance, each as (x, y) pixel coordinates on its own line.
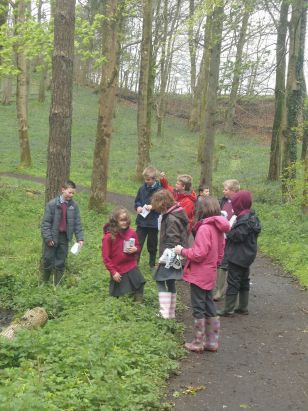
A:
(201, 272)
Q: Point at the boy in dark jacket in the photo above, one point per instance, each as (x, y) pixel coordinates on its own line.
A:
(240, 252)
(147, 219)
(61, 220)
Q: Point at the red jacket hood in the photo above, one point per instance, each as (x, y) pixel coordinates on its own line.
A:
(241, 203)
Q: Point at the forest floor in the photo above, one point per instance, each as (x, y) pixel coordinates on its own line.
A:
(262, 362)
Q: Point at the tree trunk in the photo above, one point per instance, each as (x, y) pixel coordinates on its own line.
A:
(211, 96)
(60, 117)
(237, 70)
(294, 93)
(108, 87)
(6, 91)
(279, 118)
(144, 103)
(34, 318)
(22, 88)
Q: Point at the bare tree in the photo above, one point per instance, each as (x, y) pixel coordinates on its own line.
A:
(60, 117)
(22, 89)
(108, 87)
(294, 92)
(280, 88)
(144, 94)
(211, 97)
(237, 71)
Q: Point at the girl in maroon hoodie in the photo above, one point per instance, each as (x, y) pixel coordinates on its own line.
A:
(201, 271)
(120, 247)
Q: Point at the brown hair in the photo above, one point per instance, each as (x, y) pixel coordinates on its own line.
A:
(186, 180)
(114, 220)
(150, 172)
(162, 200)
(207, 207)
(68, 184)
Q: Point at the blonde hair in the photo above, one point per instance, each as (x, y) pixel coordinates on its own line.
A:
(162, 200)
(232, 185)
(207, 207)
(150, 172)
(186, 180)
(114, 220)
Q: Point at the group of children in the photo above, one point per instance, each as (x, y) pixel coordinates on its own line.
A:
(200, 241)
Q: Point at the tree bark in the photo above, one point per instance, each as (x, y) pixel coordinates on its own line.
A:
(144, 94)
(211, 96)
(108, 87)
(294, 93)
(22, 89)
(280, 89)
(34, 318)
(60, 117)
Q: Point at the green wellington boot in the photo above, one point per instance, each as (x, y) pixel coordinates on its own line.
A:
(243, 303)
(220, 289)
(228, 311)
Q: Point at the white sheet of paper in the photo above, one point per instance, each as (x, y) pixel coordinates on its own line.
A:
(144, 212)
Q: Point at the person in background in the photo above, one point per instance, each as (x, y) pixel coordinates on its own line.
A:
(173, 231)
(201, 270)
(120, 247)
(60, 222)
(240, 252)
(183, 194)
(147, 219)
(231, 187)
(203, 191)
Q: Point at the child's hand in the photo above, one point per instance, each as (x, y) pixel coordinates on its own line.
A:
(116, 277)
(148, 207)
(178, 249)
(131, 249)
(139, 210)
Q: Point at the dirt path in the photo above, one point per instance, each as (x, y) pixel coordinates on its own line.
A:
(262, 363)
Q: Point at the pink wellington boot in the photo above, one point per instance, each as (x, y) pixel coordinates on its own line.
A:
(197, 345)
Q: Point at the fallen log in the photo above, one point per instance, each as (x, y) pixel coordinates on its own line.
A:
(34, 318)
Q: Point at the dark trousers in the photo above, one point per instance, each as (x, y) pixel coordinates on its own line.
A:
(166, 286)
(238, 279)
(202, 302)
(54, 259)
(152, 239)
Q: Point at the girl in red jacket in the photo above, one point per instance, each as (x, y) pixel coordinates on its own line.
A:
(120, 247)
(201, 271)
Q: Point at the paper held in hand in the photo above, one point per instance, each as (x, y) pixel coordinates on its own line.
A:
(144, 212)
(75, 248)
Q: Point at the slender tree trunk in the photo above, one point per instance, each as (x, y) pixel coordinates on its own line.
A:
(160, 106)
(211, 96)
(203, 84)
(22, 87)
(294, 93)
(42, 84)
(6, 91)
(60, 117)
(108, 87)
(237, 70)
(279, 118)
(144, 104)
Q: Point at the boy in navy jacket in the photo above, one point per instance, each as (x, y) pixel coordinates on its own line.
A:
(147, 219)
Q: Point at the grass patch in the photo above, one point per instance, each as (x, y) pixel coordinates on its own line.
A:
(95, 352)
